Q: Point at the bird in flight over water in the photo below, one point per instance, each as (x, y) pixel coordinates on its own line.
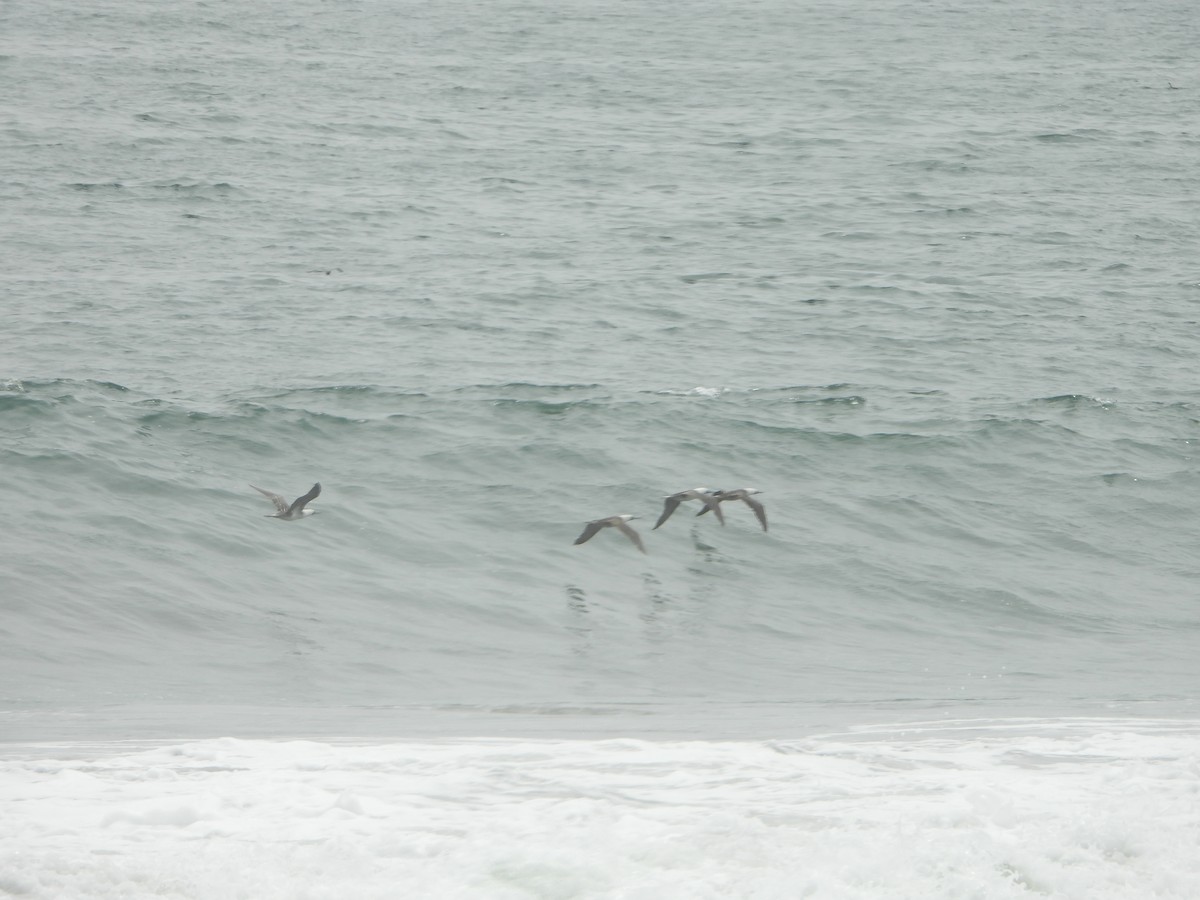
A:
(741, 494)
(294, 510)
(621, 523)
(672, 501)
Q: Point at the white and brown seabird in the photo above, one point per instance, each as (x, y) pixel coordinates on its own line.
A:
(672, 501)
(741, 494)
(621, 523)
(290, 512)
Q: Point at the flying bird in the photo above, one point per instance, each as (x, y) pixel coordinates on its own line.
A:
(294, 510)
(741, 494)
(621, 523)
(672, 501)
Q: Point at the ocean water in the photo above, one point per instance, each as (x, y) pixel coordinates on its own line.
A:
(923, 274)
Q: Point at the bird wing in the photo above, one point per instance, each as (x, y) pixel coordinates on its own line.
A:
(669, 506)
(624, 528)
(711, 502)
(589, 532)
(758, 510)
(281, 505)
(301, 502)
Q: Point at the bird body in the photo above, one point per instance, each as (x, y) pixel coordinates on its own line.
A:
(621, 523)
(290, 512)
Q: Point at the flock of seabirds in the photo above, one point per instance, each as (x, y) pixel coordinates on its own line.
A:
(711, 500)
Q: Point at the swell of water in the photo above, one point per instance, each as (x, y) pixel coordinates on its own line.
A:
(974, 557)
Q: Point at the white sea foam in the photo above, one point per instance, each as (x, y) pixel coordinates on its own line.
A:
(698, 391)
(1111, 810)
